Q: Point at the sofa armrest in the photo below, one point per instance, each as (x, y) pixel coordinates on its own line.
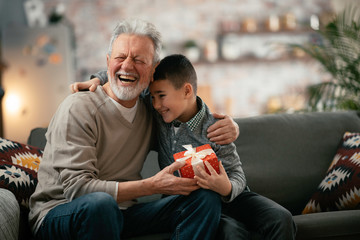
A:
(9, 215)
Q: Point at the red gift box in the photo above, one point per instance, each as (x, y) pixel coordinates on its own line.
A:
(194, 157)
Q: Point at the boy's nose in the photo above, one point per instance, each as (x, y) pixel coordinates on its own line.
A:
(156, 104)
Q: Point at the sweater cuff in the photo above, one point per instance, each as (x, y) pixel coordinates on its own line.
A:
(234, 193)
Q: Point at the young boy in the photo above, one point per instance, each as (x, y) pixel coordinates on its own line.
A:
(183, 119)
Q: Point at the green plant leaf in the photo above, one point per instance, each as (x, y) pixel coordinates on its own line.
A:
(339, 55)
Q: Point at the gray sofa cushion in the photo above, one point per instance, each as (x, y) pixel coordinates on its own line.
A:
(329, 225)
(285, 156)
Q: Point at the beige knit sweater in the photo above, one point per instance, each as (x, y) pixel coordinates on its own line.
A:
(90, 146)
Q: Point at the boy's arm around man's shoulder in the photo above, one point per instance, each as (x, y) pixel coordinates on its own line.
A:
(101, 75)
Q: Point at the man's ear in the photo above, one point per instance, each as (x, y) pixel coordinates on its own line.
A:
(107, 60)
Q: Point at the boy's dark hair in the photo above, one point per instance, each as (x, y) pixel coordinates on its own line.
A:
(178, 70)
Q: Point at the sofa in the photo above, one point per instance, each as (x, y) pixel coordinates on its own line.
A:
(287, 158)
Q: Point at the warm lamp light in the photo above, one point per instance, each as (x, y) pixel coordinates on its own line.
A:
(12, 103)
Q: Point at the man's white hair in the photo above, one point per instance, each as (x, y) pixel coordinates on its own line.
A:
(138, 27)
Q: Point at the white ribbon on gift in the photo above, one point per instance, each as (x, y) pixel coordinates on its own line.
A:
(196, 157)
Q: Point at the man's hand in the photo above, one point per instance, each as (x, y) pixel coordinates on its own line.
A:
(90, 85)
(166, 183)
(224, 131)
(218, 182)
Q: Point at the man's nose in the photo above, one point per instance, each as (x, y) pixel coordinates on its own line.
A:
(128, 64)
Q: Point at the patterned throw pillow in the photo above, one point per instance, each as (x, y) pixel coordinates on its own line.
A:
(19, 164)
(340, 189)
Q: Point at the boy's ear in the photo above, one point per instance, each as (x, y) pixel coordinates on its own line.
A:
(188, 90)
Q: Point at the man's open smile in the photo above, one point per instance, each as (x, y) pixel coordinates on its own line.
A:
(126, 78)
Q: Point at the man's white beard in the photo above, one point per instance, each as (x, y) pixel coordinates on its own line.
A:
(127, 93)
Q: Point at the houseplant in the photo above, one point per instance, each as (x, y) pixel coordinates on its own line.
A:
(339, 55)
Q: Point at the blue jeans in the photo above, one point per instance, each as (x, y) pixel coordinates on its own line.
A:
(256, 213)
(97, 216)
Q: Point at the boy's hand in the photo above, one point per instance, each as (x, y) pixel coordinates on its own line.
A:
(90, 85)
(224, 131)
(219, 183)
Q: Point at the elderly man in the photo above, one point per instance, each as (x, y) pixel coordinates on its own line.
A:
(96, 145)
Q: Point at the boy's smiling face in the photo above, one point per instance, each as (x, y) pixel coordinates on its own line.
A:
(171, 103)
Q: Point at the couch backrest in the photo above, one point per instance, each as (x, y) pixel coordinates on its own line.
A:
(285, 156)
(37, 137)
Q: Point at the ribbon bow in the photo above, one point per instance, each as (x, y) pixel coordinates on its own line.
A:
(196, 157)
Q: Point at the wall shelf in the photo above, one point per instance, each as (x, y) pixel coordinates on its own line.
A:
(261, 46)
(254, 60)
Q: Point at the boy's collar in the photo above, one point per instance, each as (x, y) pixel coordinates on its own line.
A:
(195, 121)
